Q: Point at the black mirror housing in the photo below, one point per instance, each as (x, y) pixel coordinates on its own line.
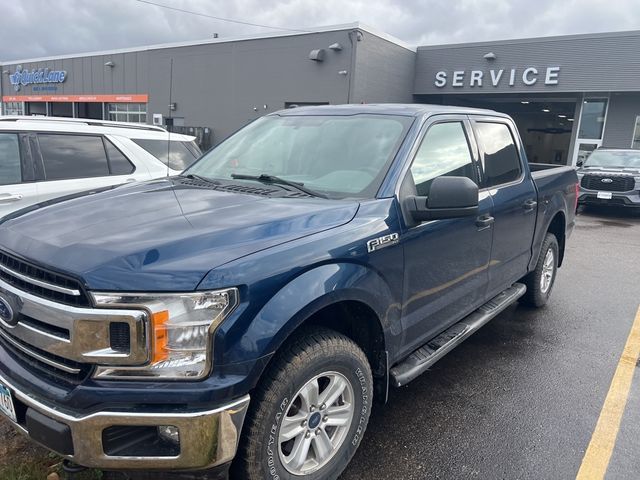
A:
(449, 197)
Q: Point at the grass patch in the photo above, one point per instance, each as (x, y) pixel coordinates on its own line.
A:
(39, 468)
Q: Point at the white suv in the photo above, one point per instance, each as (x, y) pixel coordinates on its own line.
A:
(46, 157)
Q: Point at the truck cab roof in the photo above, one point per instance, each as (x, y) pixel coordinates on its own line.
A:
(406, 109)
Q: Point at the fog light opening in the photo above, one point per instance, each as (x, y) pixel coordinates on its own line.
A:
(170, 433)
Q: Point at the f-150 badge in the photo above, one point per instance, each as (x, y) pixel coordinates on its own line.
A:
(381, 242)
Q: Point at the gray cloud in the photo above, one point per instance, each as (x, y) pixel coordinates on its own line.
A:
(35, 28)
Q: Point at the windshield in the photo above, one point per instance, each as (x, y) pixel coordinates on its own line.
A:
(622, 159)
(339, 156)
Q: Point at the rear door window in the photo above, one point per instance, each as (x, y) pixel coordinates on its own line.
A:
(177, 155)
(73, 156)
(501, 161)
(10, 167)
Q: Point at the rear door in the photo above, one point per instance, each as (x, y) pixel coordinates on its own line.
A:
(17, 186)
(514, 199)
(446, 261)
(71, 163)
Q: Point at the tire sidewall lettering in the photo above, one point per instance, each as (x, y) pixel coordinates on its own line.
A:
(364, 411)
(272, 444)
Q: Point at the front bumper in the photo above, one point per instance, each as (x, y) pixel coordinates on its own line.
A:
(207, 438)
(627, 199)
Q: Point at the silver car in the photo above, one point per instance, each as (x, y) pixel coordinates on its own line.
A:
(610, 176)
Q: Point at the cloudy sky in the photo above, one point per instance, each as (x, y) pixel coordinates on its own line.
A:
(36, 28)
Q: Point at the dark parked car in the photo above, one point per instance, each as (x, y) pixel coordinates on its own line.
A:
(610, 177)
(249, 311)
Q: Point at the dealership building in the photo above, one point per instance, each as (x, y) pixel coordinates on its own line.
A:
(568, 94)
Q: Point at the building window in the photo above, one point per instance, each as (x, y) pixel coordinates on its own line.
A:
(636, 134)
(592, 118)
(127, 112)
(13, 108)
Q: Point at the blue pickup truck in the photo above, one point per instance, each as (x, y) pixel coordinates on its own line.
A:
(243, 316)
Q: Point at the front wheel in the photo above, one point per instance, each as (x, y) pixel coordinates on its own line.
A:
(310, 412)
(541, 280)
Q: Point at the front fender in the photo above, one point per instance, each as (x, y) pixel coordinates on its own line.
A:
(262, 334)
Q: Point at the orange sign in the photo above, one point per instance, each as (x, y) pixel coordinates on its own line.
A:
(117, 98)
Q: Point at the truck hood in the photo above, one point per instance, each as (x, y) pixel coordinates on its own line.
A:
(163, 235)
(628, 171)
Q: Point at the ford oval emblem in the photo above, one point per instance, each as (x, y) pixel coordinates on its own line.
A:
(606, 180)
(6, 313)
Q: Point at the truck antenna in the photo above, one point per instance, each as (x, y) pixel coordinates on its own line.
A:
(170, 119)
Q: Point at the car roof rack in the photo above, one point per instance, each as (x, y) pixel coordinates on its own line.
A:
(82, 121)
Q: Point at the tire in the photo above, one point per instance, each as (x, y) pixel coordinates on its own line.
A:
(539, 291)
(280, 404)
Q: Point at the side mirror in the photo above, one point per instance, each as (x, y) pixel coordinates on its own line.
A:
(580, 162)
(449, 197)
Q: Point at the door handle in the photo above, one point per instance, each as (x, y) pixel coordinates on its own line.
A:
(529, 205)
(131, 180)
(10, 197)
(484, 221)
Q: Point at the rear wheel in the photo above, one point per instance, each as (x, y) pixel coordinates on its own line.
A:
(308, 416)
(541, 280)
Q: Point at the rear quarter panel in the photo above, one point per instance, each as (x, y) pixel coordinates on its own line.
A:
(556, 187)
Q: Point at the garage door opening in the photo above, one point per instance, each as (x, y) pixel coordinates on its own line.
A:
(545, 124)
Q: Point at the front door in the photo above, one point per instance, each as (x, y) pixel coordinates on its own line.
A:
(514, 201)
(446, 261)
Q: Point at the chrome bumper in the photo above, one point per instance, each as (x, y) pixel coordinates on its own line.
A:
(207, 438)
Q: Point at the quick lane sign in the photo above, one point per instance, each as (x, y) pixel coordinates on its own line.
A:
(497, 77)
(36, 76)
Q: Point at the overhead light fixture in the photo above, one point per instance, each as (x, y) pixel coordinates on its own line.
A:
(546, 110)
(524, 102)
(562, 116)
(569, 119)
(109, 64)
(489, 56)
(336, 47)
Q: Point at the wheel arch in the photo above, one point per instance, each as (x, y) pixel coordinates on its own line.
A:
(558, 226)
(351, 299)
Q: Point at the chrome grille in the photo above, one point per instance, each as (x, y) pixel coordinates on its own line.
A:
(44, 362)
(43, 283)
(608, 183)
(66, 340)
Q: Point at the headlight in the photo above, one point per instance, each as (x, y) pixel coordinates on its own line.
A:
(179, 332)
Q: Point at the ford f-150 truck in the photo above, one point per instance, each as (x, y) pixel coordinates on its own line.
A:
(244, 315)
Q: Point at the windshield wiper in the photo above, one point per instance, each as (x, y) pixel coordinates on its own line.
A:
(272, 179)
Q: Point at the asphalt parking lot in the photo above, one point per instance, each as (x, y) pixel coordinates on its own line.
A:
(522, 397)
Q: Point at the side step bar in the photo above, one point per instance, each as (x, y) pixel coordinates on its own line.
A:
(421, 359)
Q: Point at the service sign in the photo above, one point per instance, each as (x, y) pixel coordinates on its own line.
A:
(36, 76)
(497, 77)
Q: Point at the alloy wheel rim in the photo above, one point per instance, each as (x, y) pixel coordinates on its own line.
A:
(547, 271)
(316, 423)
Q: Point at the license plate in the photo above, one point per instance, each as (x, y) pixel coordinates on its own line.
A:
(605, 195)
(6, 403)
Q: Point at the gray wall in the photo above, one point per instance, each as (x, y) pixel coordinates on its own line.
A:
(621, 118)
(384, 71)
(219, 85)
(593, 63)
